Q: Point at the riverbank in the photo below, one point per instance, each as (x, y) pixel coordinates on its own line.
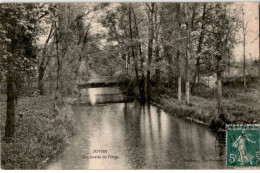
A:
(203, 111)
(40, 133)
(240, 105)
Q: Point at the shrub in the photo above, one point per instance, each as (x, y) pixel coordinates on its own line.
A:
(203, 90)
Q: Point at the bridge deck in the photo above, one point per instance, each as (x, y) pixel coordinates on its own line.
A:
(99, 84)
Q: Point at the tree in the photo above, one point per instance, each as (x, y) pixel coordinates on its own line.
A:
(157, 40)
(125, 27)
(150, 13)
(221, 35)
(189, 15)
(142, 78)
(244, 32)
(18, 30)
(67, 44)
(201, 38)
(44, 58)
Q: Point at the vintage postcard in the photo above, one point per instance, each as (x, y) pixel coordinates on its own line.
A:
(129, 85)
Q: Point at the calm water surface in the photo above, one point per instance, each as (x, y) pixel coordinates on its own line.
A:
(137, 137)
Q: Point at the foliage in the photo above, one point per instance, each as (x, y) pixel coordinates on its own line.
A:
(19, 26)
(39, 136)
(67, 56)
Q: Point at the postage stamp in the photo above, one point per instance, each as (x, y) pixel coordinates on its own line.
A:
(243, 145)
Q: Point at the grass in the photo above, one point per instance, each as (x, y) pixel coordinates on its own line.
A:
(39, 135)
(240, 105)
(200, 110)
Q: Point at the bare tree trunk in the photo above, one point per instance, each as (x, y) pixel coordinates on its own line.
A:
(10, 112)
(208, 79)
(58, 68)
(170, 62)
(187, 85)
(178, 58)
(157, 48)
(150, 49)
(229, 64)
(58, 65)
(190, 17)
(179, 76)
(142, 80)
(132, 46)
(244, 55)
(126, 63)
(197, 73)
(157, 73)
(40, 80)
(179, 88)
(219, 86)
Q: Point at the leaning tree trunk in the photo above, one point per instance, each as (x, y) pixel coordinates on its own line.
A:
(58, 68)
(44, 61)
(10, 113)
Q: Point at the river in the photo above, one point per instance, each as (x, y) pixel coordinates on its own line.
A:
(135, 136)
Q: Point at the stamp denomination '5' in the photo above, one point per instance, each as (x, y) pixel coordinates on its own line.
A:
(242, 142)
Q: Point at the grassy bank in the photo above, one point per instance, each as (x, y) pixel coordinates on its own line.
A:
(240, 105)
(40, 134)
(240, 110)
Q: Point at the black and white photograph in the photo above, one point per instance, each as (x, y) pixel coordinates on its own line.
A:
(144, 85)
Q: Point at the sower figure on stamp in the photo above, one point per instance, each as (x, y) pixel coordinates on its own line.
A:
(244, 157)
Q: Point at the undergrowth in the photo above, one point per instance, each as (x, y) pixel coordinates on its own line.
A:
(40, 134)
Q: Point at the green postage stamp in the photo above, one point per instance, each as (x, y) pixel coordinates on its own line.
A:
(242, 145)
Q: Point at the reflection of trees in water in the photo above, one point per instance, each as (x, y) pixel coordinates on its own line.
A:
(133, 141)
(143, 130)
(158, 112)
(220, 143)
(144, 136)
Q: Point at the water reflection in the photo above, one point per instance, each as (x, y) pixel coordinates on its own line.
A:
(105, 95)
(92, 95)
(143, 136)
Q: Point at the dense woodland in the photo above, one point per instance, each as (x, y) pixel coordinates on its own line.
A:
(155, 47)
